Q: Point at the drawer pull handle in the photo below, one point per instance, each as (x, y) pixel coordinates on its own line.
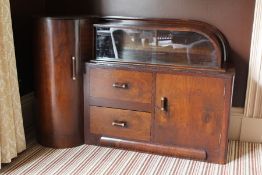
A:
(120, 85)
(164, 104)
(119, 124)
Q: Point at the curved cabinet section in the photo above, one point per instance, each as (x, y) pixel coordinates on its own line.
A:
(59, 89)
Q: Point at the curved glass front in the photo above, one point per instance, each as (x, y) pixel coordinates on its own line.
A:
(154, 47)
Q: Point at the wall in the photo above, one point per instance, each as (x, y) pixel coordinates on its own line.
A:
(233, 17)
(22, 12)
(69, 7)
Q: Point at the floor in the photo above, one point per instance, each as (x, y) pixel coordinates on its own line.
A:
(243, 158)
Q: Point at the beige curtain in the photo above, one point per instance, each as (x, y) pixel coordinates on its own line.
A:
(253, 106)
(12, 138)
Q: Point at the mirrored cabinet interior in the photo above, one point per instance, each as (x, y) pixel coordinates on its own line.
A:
(154, 46)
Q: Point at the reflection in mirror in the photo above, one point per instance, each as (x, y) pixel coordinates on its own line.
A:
(154, 47)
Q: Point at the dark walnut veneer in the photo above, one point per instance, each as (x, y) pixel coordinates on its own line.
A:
(193, 124)
(178, 105)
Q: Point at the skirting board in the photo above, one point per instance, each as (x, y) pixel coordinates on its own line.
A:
(240, 128)
(27, 102)
(244, 128)
(235, 124)
(251, 130)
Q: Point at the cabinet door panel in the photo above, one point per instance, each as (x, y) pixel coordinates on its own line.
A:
(195, 111)
(58, 93)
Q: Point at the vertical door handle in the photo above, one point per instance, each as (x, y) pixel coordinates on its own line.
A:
(74, 68)
(164, 104)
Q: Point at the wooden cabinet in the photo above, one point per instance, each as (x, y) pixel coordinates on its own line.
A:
(188, 114)
(163, 87)
(59, 58)
(160, 86)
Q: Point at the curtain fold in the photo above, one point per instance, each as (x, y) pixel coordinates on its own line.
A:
(12, 137)
(253, 106)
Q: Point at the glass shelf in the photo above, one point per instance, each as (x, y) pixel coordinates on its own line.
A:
(155, 46)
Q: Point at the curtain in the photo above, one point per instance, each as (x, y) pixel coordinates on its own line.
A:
(12, 137)
(253, 106)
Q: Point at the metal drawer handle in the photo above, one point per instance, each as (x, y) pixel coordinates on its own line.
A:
(164, 104)
(74, 68)
(119, 124)
(120, 85)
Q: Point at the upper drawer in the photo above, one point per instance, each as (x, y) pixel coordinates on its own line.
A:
(121, 85)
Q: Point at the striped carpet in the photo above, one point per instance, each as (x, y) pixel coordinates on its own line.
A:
(243, 158)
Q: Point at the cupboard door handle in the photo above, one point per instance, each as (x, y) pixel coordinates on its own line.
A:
(119, 124)
(120, 85)
(164, 104)
(74, 68)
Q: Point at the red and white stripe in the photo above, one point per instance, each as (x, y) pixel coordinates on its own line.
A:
(243, 158)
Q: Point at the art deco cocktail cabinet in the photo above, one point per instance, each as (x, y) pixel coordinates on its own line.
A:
(159, 86)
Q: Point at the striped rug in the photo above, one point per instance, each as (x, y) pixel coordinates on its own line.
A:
(243, 158)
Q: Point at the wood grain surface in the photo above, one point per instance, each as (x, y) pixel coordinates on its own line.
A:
(137, 123)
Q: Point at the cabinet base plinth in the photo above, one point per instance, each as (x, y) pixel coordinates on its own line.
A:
(189, 153)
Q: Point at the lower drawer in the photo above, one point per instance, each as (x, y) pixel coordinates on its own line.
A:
(120, 123)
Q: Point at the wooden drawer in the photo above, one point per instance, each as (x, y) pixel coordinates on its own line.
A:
(120, 123)
(121, 85)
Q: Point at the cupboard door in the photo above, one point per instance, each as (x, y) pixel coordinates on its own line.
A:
(59, 83)
(190, 112)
